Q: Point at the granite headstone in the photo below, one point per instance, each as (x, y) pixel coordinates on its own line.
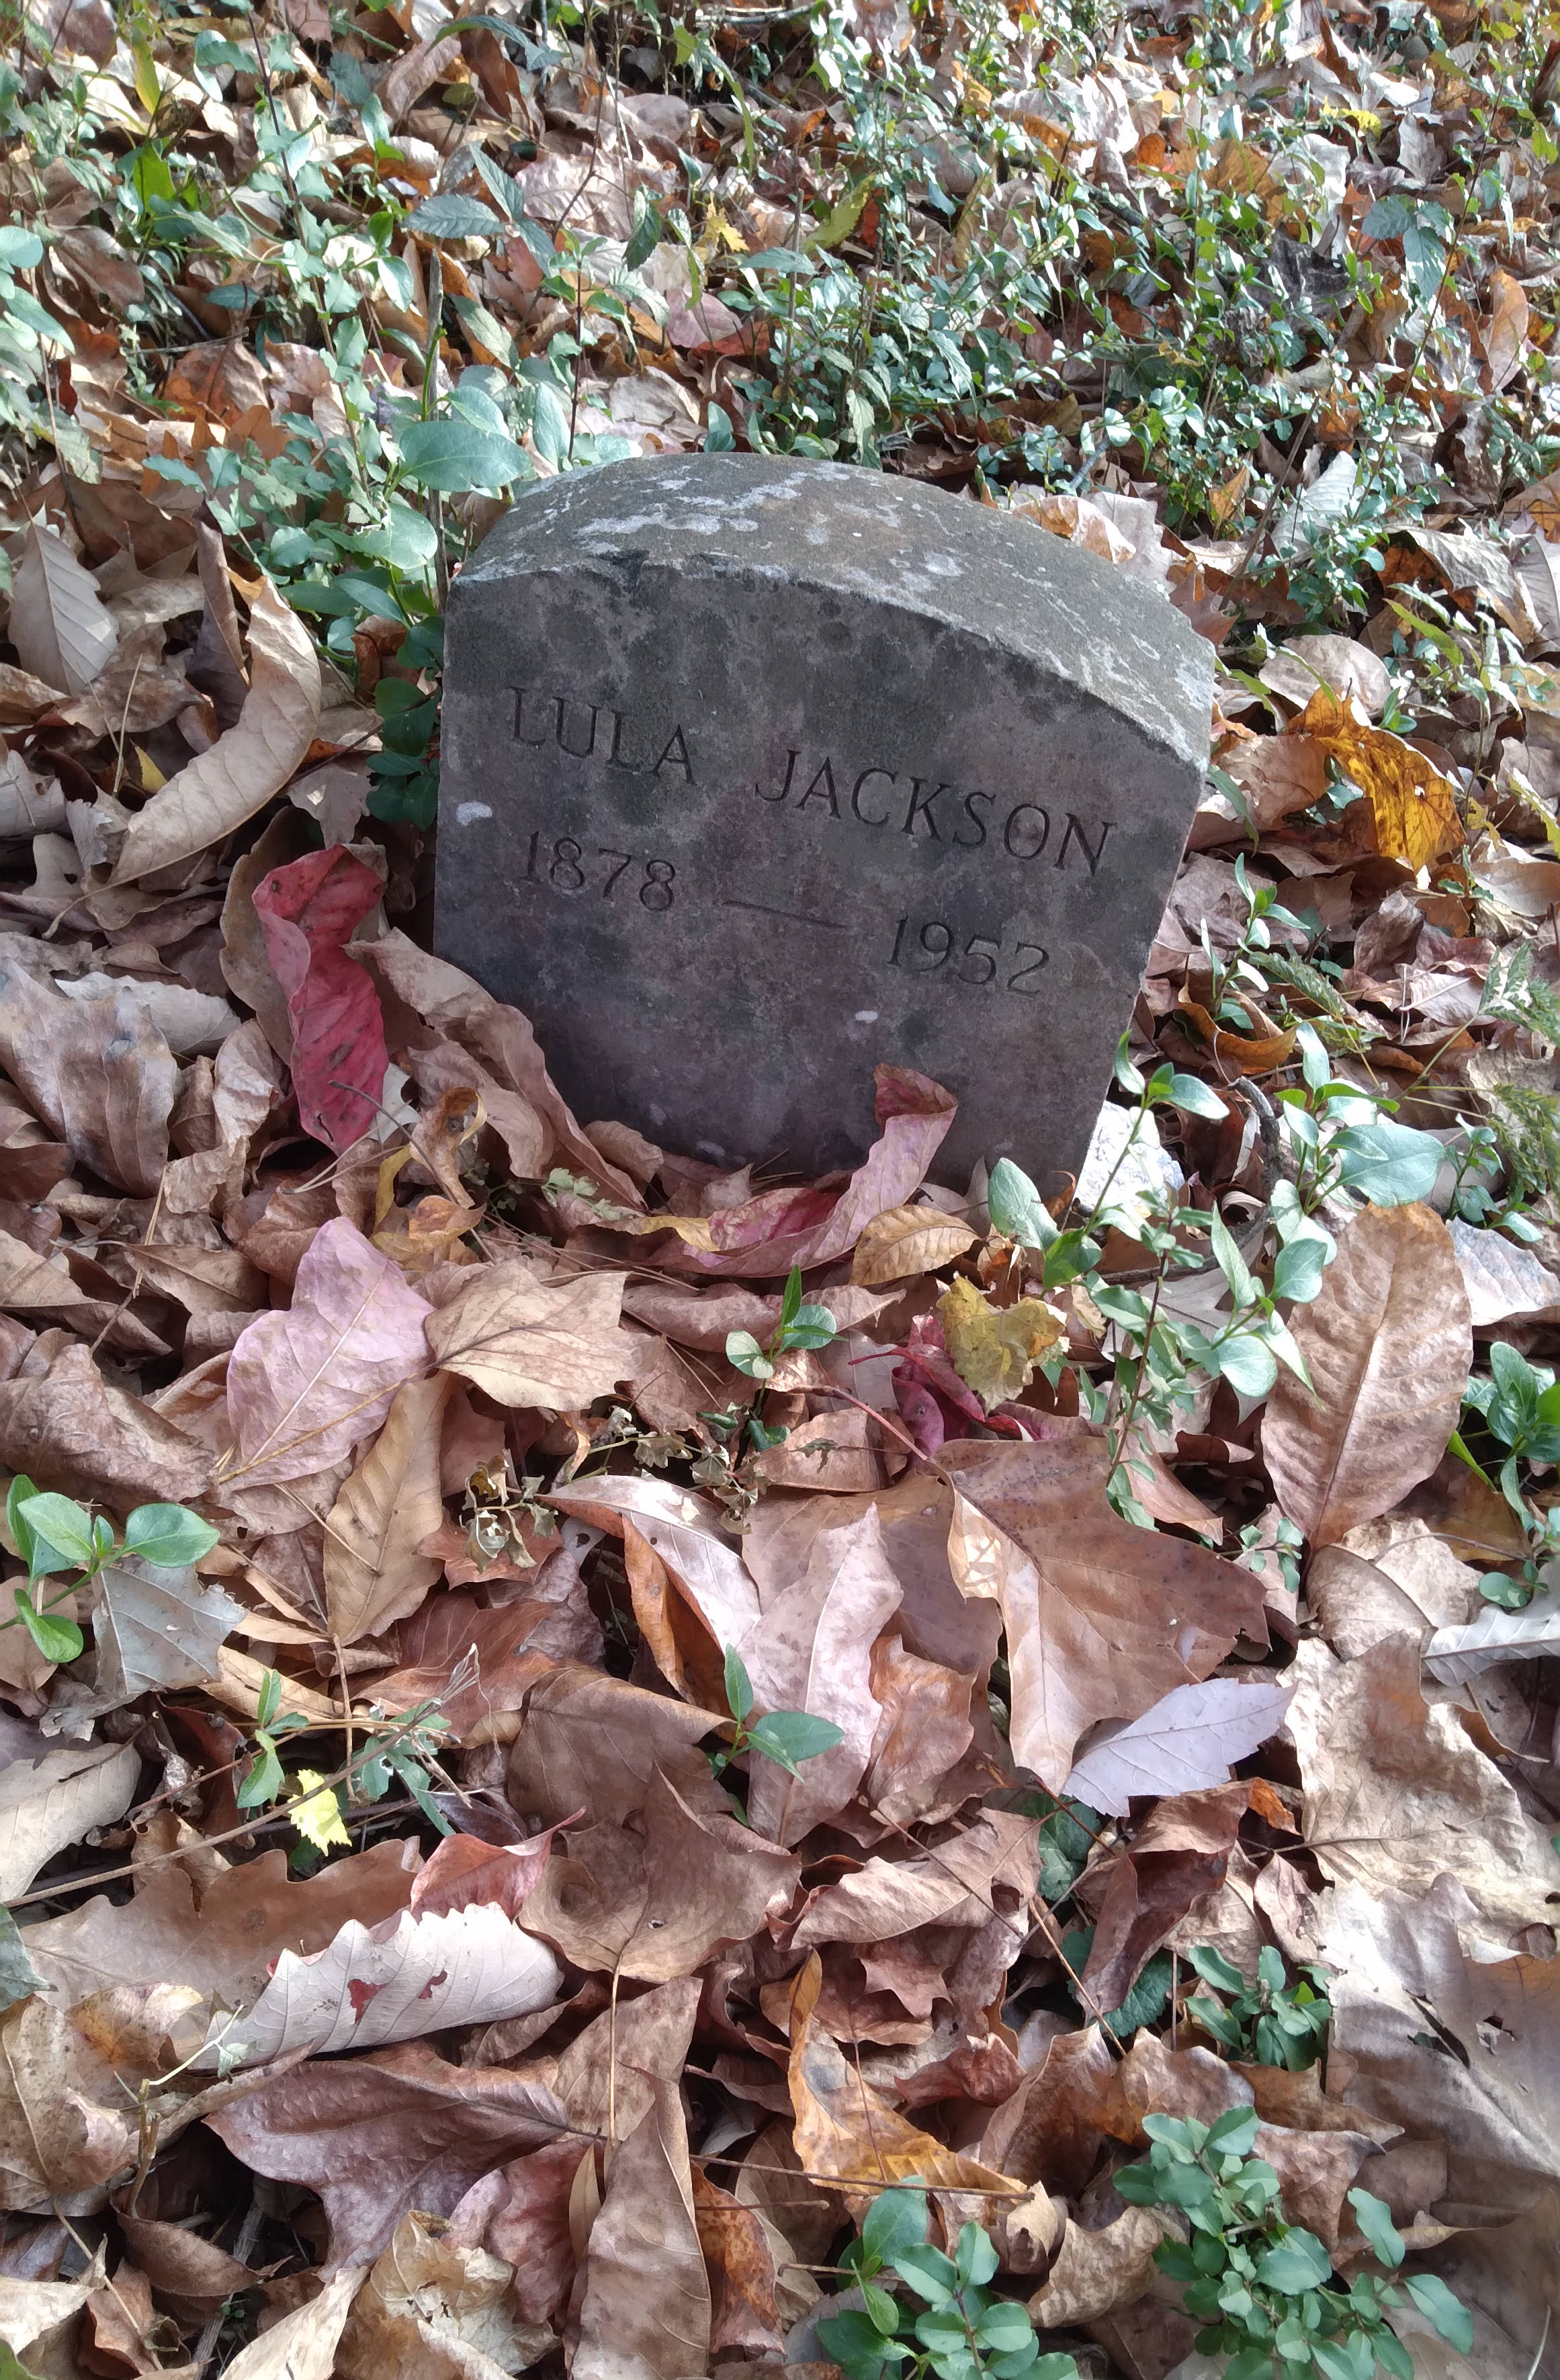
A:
(755, 772)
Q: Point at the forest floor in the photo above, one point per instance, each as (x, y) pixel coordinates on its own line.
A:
(596, 1751)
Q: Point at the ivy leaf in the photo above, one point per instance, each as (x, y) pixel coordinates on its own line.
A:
(1298, 2262)
(168, 1535)
(1388, 1163)
(1016, 1207)
(786, 1737)
(61, 1531)
(1374, 2218)
(1434, 2300)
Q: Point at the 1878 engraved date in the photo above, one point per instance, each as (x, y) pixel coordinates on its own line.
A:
(563, 868)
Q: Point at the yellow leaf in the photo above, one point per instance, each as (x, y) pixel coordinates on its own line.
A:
(1411, 802)
(316, 1813)
(906, 1240)
(148, 88)
(994, 1349)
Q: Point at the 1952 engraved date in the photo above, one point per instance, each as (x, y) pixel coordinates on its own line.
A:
(983, 960)
(564, 871)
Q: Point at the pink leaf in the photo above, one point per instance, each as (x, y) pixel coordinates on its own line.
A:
(307, 911)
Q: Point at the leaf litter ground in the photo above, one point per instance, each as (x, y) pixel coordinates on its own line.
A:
(589, 1728)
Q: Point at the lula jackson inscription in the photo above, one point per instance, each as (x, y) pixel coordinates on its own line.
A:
(810, 784)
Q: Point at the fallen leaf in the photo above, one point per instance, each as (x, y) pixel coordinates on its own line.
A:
(657, 1901)
(379, 2134)
(689, 1534)
(97, 1071)
(222, 1938)
(1412, 804)
(955, 1884)
(811, 1650)
(524, 1341)
(1396, 1793)
(1483, 2072)
(63, 630)
(72, 1431)
(307, 911)
(154, 1627)
(742, 2268)
(994, 1349)
(847, 2132)
(436, 2307)
(302, 2345)
(374, 1573)
(1389, 1345)
(904, 1240)
(219, 789)
(66, 2123)
(28, 2308)
(1094, 2271)
(645, 2313)
(593, 1742)
(50, 1802)
(1177, 1858)
(1455, 1654)
(521, 2212)
(305, 1388)
(409, 1974)
(1504, 1282)
(1192, 1737)
(1102, 1618)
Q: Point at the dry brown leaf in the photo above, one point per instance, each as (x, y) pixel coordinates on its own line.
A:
(1397, 1793)
(1097, 2271)
(1102, 1618)
(223, 787)
(811, 1650)
(524, 1341)
(908, 1240)
(436, 2307)
(302, 2345)
(593, 1742)
(374, 1573)
(377, 2135)
(742, 2267)
(50, 1802)
(847, 2132)
(63, 630)
(645, 2313)
(1389, 1345)
(1413, 805)
(98, 1070)
(657, 1899)
(72, 1431)
(958, 1883)
(66, 2121)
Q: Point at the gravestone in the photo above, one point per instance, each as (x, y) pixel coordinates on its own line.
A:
(755, 772)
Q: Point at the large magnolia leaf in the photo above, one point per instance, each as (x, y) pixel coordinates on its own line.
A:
(524, 1341)
(46, 1803)
(408, 1975)
(1192, 1738)
(223, 787)
(306, 1387)
(63, 630)
(1389, 1344)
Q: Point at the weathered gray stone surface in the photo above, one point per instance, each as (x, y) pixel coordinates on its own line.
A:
(755, 772)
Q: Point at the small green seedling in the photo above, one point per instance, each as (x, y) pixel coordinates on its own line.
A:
(964, 2332)
(784, 1736)
(800, 1326)
(54, 1533)
(1262, 2288)
(1272, 2021)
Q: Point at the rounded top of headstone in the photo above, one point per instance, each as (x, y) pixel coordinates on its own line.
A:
(842, 528)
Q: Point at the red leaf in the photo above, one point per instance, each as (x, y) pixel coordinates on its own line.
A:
(307, 910)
